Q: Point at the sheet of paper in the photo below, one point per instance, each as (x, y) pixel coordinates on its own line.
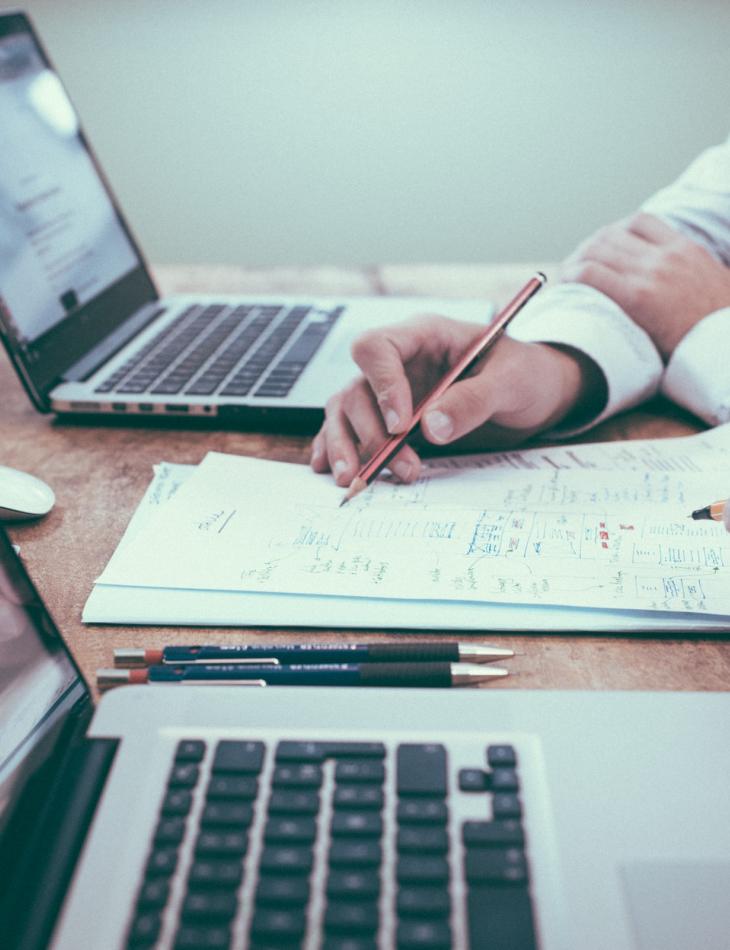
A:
(553, 536)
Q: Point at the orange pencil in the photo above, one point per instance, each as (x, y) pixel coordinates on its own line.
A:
(475, 352)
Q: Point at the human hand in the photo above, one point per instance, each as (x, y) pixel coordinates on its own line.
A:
(517, 390)
(726, 515)
(663, 280)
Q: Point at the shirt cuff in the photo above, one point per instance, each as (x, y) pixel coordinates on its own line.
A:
(580, 317)
(697, 375)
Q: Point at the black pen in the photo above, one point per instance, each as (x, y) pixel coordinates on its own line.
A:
(411, 652)
(315, 674)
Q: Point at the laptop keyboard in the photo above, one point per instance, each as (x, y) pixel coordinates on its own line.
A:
(251, 349)
(336, 845)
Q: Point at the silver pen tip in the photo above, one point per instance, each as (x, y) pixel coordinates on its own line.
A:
(471, 674)
(483, 653)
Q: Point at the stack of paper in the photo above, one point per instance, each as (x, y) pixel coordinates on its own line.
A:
(591, 537)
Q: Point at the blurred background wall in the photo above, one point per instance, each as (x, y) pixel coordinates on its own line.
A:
(266, 132)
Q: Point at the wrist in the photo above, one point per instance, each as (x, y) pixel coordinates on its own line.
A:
(583, 390)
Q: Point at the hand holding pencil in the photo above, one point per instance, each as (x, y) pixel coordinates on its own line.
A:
(517, 390)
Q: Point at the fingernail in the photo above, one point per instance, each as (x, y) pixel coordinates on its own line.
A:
(391, 420)
(402, 470)
(339, 467)
(439, 425)
(317, 454)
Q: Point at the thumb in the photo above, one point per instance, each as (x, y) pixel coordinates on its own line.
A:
(464, 406)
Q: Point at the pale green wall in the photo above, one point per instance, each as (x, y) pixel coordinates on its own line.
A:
(412, 130)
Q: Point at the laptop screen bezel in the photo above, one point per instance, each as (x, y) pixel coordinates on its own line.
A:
(42, 363)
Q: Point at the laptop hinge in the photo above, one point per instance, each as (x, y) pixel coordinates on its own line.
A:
(113, 343)
(45, 868)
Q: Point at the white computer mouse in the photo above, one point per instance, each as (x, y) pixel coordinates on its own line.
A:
(23, 496)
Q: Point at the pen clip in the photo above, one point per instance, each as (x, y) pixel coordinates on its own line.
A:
(267, 661)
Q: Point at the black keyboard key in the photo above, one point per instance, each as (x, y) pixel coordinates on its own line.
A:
(425, 812)
(183, 775)
(501, 756)
(345, 852)
(286, 860)
(360, 771)
(203, 938)
(223, 843)
(491, 834)
(153, 893)
(170, 831)
(356, 824)
(282, 891)
(176, 802)
(289, 751)
(493, 866)
(209, 907)
(355, 750)
(145, 929)
(359, 796)
(503, 780)
(293, 803)
(353, 884)
(190, 750)
(224, 813)
(500, 919)
(421, 769)
(351, 917)
(238, 757)
(223, 787)
(422, 869)
(473, 780)
(418, 840)
(423, 901)
(162, 862)
(317, 751)
(425, 933)
(278, 924)
(218, 874)
(506, 806)
(293, 830)
(297, 776)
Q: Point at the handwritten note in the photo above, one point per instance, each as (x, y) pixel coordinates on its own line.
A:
(598, 528)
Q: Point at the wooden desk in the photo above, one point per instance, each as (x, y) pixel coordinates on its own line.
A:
(99, 474)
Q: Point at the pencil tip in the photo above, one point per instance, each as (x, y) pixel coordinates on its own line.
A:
(356, 486)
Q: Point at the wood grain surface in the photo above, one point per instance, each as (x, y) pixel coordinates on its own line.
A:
(100, 472)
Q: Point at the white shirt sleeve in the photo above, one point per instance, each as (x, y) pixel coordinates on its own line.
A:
(698, 202)
(697, 375)
(580, 317)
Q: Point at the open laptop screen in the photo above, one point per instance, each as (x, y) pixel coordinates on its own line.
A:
(61, 242)
(39, 683)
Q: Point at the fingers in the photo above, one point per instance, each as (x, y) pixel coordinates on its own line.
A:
(395, 359)
(595, 274)
(352, 431)
(726, 515)
(651, 229)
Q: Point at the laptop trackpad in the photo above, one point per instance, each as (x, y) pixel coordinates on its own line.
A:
(676, 905)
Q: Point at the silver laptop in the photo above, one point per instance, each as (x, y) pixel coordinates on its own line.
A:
(79, 313)
(351, 819)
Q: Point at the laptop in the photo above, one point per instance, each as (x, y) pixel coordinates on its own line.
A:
(351, 819)
(80, 316)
